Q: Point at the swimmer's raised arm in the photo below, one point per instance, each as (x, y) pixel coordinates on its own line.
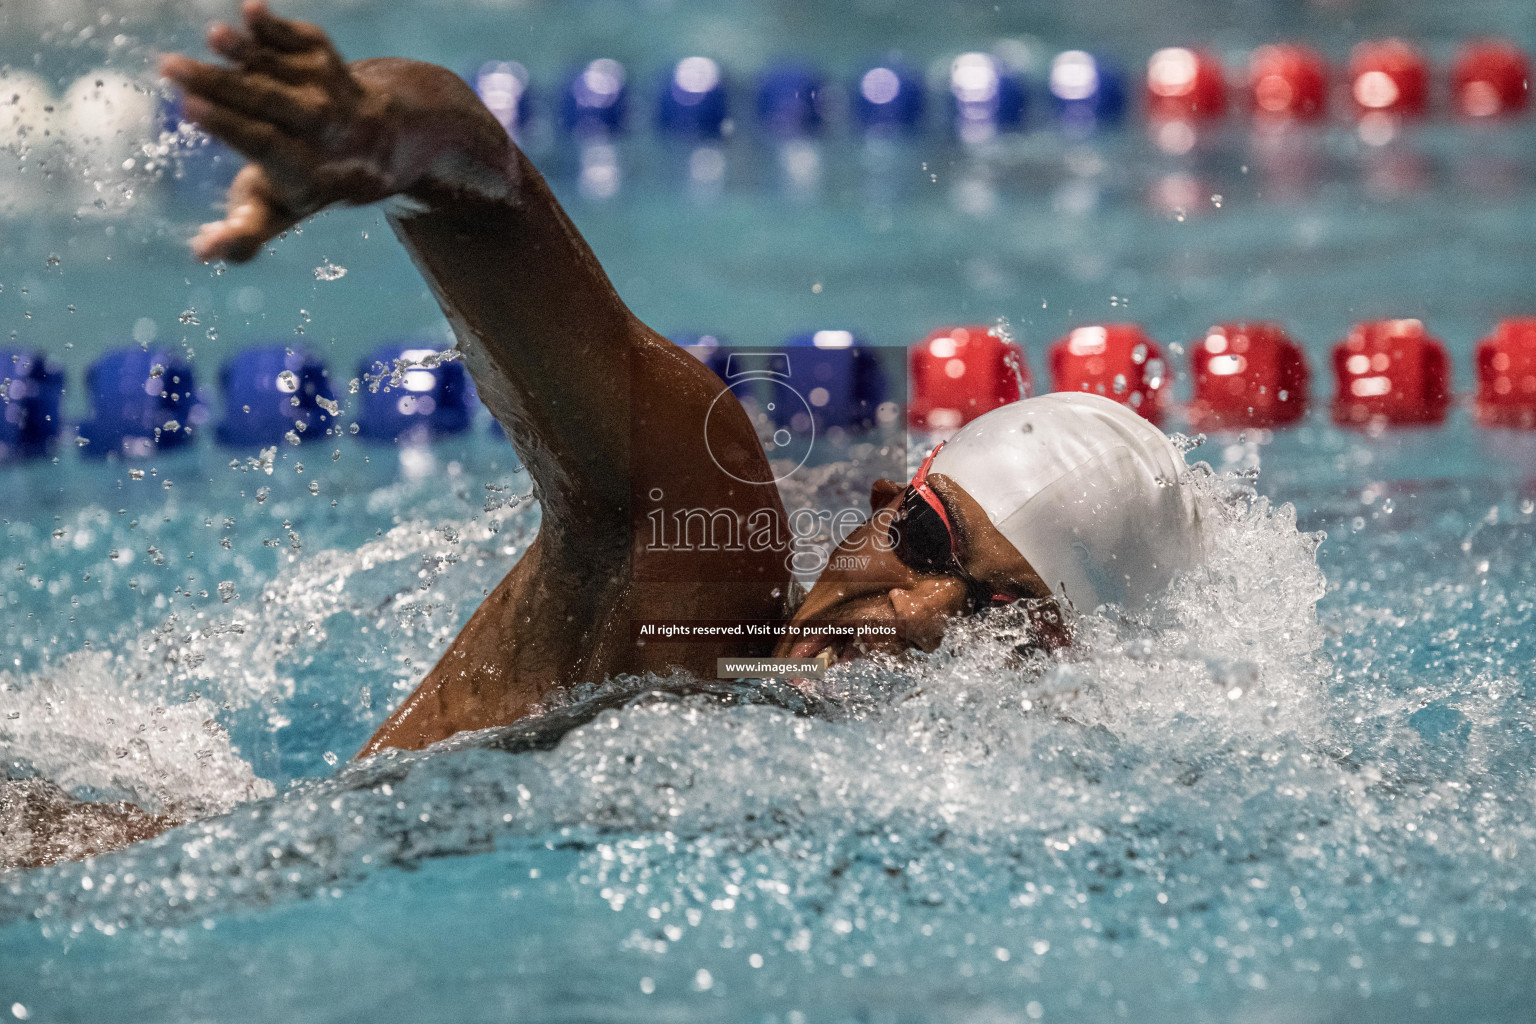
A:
(600, 407)
(542, 330)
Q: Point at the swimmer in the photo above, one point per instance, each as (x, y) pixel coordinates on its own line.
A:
(1066, 497)
(1068, 501)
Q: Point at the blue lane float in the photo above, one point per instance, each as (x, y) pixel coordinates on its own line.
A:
(412, 394)
(888, 98)
(832, 380)
(141, 402)
(693, 100)
(502, 86)
(272, 391)
(595, 103)
(986, 97)
(790, 101)
(1087, 91)
(31, 397)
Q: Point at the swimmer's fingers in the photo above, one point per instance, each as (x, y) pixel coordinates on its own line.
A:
(295, 109)
(231, 42)
(254, 217)
(258, 140)
(284, 35)
(244, 49)
(237, 238)
(257, 48)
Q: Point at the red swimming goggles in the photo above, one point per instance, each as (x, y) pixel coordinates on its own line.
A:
(923, 538)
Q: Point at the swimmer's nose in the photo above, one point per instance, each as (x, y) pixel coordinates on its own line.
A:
(924, 608)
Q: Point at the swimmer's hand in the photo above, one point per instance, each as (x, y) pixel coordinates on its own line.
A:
(317, 130)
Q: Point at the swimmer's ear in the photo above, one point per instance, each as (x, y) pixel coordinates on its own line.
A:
(883, 492)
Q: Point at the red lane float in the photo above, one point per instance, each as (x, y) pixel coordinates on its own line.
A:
(958, 373)
(1390, 372)
(1184, 83)
(1389, 76)
(1506, 375)
(1288, 81)
(1247, 375)
(1490, 78)
(1117, 361)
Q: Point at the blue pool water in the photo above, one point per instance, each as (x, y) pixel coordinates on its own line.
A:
(1302, 790)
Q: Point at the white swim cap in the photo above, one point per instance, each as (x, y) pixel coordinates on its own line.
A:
(1088, 491)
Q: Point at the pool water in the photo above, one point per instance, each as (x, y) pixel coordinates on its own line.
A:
(1300, 789)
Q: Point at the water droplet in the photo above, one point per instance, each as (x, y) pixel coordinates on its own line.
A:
(227, 590)
(329, 271)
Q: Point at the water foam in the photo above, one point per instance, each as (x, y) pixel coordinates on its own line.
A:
(976, 739)
(1228, 806)
(145, 716)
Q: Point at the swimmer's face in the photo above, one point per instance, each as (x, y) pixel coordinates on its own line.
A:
(877, 585)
